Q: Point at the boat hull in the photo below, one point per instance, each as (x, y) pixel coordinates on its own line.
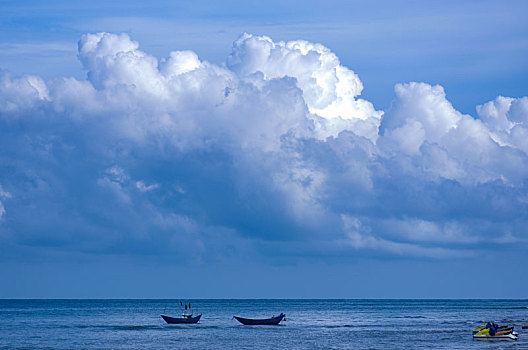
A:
(266, 321)
(181, 320)
(504, 337)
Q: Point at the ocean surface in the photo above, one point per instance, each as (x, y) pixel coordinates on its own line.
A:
(311, 324)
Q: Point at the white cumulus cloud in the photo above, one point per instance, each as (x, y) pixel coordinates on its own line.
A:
(329, 89)
(423, 125)
(275, 146)
(3, 195)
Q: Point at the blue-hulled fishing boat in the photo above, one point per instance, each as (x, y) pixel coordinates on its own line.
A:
(275, 320)
(183, 319)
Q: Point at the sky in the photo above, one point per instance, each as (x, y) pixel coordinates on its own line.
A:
(241, 149)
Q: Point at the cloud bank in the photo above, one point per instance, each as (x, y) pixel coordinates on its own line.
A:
(272, 154)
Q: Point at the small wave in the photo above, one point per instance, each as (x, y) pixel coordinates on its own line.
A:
(134, 328)
(501, 308)
(196, 326)
(121, 327)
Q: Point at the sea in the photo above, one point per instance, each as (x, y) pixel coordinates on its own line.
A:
(310, 324)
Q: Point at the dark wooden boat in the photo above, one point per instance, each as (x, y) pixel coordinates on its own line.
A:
(264, 321)
(178, 320)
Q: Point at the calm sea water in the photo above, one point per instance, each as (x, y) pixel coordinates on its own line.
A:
(311, 324)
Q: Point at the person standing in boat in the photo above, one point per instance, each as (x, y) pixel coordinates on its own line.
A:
(187, 313)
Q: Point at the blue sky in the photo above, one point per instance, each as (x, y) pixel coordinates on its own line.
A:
(279, 149)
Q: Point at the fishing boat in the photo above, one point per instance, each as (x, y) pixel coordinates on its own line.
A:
(274, 320)
(183, 319)
(186, 315)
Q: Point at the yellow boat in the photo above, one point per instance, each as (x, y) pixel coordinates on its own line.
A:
(505, 333)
